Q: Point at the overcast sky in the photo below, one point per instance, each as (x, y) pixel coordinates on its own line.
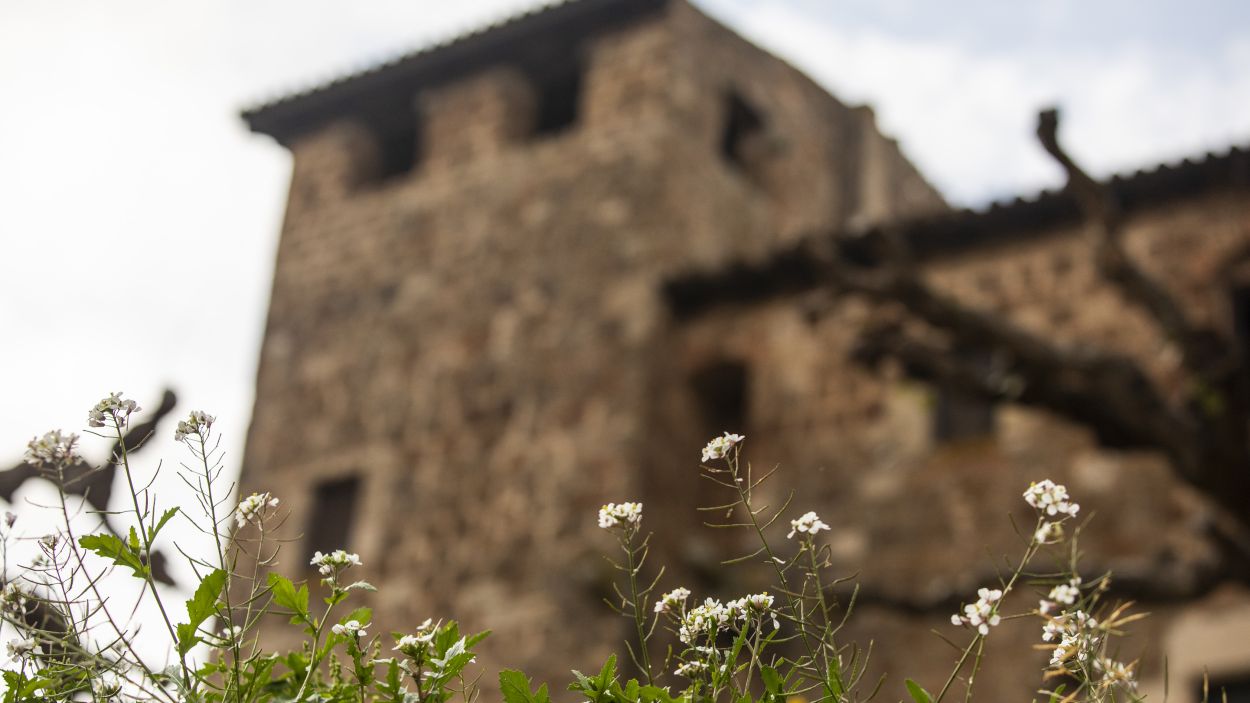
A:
(139, 219)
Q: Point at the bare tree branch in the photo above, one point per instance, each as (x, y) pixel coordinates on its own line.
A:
(95, 483)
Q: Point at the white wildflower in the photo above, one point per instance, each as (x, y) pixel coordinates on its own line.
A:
(673, 602)
(981, 615)
(755, 605)
(106, 686)
(690, 669)
(230, 635)
(808, 523)
(13, 599)
(1077, 634)
(254, 508)
(197, 423)
(424, 635)
(334, 562)
(20, 647)
(351, 628)
(55, 448)
(113, 410)
(1064, 593)
(719, 447)
(1049, 533)
(1050, 498)
(704, 620)
(623, 515)
(1116, 673)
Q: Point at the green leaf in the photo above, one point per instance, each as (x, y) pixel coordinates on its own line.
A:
(111, 547)
(166, 517)
(515, 687)
(772, 680)
(362, 586)
(285, 595)
(360, 615)
(200, 608)
(918, 694)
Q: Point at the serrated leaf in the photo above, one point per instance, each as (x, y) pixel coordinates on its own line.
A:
(286, 595)
(362, 586)
(111, 547)
(166, 517)
(918, 694)
(200, 608)
(360, 615)
(515, 687)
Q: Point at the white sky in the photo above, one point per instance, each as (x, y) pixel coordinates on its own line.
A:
(138, 217)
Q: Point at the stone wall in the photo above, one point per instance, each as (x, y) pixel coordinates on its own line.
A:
(923, 522)
(482, 342)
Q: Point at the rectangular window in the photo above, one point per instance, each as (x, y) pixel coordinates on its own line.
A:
(332, 516)
(557, 94)
(1241, 315)
(720, 389)
(959, 414)
(742, 131)
(396, 132)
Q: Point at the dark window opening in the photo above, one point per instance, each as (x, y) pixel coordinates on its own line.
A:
(959, 414)
(721, 390)
(1233, 688)
(332, 516)
(1241, 315)
(743, 127)
(397, 134)
(558, 97)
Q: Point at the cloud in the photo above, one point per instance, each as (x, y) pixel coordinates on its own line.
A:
(965, 115)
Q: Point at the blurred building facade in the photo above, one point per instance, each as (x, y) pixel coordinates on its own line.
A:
(477, 336)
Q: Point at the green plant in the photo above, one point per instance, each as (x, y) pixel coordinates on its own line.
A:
(66, 642)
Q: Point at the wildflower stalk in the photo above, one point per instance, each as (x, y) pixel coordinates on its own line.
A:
(978, 639)
(796, 608)
(147, 550)
(638, 606)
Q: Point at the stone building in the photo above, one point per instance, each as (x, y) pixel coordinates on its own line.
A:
(479, 333)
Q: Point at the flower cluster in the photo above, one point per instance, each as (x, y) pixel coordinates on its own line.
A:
(423, 636)
(982, 614)
(197, 423)
(1066, 593)
(703, 621)
(1077, 635)
(719, 447)
(54, 448)
(1050, 498)
(113, 410)
(809, 524)
(13, 599)
(254, 508)
(673, 602)
(710, 617)
(754, 605)
(1116, 673)
(622, 515)
(351, 628)
(334, 562)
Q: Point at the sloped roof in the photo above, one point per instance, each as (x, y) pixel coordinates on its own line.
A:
(796, 268)
(398, 79)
